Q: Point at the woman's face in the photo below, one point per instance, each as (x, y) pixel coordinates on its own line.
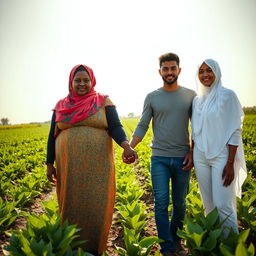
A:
(81, 83)
(206, 75)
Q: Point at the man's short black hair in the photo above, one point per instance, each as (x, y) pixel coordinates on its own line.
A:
(169, 57)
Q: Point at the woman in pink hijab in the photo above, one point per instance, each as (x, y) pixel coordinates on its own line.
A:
(80, 143)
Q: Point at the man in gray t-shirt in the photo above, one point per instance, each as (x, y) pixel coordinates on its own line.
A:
(169, 107)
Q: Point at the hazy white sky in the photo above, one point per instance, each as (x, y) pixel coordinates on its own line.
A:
(121, 40)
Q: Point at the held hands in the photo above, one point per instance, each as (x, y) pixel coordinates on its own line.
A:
(228, 174)
(51, 173)
(129, 154)
(188, 161)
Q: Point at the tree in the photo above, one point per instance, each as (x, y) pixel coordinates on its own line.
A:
(5, 121)
(131, 115)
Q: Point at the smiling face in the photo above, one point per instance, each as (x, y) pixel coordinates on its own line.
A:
(206, 75)
(169, 72)
(81, 83)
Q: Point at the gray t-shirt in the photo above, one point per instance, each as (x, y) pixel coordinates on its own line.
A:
(170, 111)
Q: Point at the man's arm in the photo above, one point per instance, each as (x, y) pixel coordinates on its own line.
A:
(135, 141)
(143, 124)
(188, 163)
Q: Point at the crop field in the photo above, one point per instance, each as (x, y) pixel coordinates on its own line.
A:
(30, 223)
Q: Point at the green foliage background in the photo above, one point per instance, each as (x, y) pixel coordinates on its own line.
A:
(22, 175)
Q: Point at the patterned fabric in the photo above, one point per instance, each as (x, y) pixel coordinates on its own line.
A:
(86, 178)
(74, 108)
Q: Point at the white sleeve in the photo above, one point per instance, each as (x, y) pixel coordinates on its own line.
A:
(235, 137)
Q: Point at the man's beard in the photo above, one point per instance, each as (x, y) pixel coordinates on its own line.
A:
(172, 82)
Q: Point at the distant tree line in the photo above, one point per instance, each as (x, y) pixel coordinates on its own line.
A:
(4, 121)
(249, 110)
(130, 115)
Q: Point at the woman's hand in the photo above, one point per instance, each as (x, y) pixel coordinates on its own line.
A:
(228, 174)
(129, 154)
(51, 173)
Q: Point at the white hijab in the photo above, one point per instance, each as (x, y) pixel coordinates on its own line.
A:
(217, 114)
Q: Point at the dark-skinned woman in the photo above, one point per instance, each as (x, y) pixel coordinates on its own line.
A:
(80, 143)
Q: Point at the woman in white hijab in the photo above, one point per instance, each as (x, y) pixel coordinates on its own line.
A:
(218, 151)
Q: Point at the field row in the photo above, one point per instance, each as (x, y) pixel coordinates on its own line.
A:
(22, 174)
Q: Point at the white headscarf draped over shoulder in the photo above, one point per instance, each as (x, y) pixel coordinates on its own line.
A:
(217, 114)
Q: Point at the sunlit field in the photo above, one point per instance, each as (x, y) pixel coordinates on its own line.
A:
(23, 180)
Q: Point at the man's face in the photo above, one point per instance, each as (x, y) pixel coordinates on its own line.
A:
(169, 72)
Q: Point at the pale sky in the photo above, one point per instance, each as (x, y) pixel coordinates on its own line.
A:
(121, 40)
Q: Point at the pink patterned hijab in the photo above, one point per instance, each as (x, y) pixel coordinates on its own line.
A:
(75, 108)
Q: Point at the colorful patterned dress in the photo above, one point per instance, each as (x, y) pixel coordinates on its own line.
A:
(86, 178)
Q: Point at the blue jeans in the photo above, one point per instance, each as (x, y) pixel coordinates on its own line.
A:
(164, 169)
